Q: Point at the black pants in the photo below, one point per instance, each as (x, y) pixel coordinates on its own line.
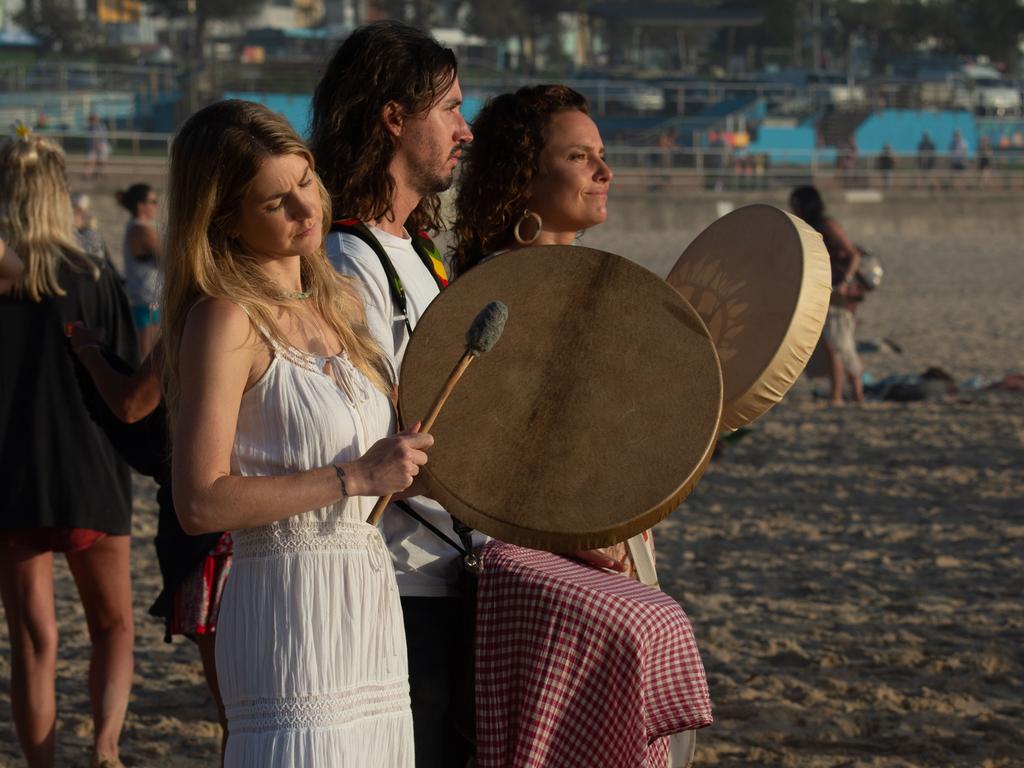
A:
(433, 636)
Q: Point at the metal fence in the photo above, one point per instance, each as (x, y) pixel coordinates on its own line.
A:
(123, 144)
(768, 168)
(131, 153)
(61, 76)
(135, 153)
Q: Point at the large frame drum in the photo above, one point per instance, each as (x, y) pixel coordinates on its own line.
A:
(589, 421)
(760, 278)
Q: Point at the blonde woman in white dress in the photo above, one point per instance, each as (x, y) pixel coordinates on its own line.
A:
(282, 416)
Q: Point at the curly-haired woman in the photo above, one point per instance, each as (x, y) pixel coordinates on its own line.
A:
(535, 174)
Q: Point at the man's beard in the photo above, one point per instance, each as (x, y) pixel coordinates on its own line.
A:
(429, 181)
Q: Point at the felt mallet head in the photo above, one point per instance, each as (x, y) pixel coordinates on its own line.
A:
(486, 328)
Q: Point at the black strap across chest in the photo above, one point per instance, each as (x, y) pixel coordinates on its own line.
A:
(421, 244)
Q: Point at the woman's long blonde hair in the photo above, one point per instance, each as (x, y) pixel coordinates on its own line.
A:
(35, 216)
(214, 158)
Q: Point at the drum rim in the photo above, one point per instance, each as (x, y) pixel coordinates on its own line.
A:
(563, 542)
(815, 278)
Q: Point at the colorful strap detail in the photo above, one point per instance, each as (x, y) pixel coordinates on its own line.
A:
(431, 258)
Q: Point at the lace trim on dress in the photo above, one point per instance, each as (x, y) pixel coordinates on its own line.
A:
(338, 368)
(330, 535)
(326, 710)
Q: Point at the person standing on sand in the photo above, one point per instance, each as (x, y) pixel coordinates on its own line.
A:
(958, 152)
(194, 568)
(63, 487)
(984, 161)
(142, 254)
(838, 336)
(926, 158)
(99, 146)
(387, 134)
(282, 431)
(886, 163)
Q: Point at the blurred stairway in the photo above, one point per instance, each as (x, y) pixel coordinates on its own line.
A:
(838, 125)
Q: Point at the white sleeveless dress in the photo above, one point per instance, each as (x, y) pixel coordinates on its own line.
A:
(311, 653)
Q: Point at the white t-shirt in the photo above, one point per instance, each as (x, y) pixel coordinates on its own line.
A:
(425, 566)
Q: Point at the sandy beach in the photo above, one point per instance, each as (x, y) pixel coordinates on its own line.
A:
(854, 576)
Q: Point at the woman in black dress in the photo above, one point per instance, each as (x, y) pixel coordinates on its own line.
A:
(194, 568)
(62, 486)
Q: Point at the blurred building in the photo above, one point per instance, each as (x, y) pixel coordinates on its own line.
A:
(126, 22)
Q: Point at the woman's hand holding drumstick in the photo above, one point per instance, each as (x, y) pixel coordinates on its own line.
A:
(481, 336)
(390, 465)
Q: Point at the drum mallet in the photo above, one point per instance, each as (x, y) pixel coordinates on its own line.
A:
(481, 336)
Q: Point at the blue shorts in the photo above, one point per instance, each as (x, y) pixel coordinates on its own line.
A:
(145, 315)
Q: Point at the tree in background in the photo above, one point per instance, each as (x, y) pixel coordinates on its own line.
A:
(776, 33)
(528, 21)
(981, 27)
(203, 11)
(888, 26)
(61, 24)
(990, 27)
(423, 14)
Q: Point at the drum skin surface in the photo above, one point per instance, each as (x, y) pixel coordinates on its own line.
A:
(760, 278)
(592, 417)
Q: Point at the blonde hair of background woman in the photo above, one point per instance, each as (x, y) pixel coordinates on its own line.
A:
(214, 158)
(35, 216)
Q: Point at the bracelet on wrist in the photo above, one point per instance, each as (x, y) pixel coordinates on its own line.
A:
(90, 345)
(341, 480)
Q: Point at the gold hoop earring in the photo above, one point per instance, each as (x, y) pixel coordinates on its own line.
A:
(527, 214)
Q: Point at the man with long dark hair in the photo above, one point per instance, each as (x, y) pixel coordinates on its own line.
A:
(387, 135)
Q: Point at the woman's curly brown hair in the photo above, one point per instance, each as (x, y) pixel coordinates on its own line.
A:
(500, 164)
(382, 62)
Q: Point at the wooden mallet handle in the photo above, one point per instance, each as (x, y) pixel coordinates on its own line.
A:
(482, 335)
(428, 422)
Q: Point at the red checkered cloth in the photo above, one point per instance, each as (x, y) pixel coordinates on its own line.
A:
(578, 667)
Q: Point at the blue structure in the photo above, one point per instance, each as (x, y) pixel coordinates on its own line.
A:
(902, 129)
(157, 112)
(297, 108)
(294, 107)
(796, 145)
